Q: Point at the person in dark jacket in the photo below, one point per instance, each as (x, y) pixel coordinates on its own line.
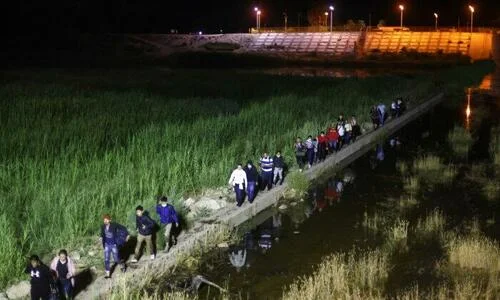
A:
(252, 180)
(113, 235)
(279, 164)
(374, 115)
(41, 279)
(300, 153)
(145, 226)
(168, 217)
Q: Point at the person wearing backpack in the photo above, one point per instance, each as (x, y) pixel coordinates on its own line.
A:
(113, 236)
(145, 227)
(168, 216)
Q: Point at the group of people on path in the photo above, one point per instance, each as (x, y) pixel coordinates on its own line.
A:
(246, 180)
(58, 281)
(379, 114)
(316, 149)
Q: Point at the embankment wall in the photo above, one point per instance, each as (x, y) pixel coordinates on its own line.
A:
(477, 45)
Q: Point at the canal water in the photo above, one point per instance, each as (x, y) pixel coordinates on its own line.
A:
(280, 245)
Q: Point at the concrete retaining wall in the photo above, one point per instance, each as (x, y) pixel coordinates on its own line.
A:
(477, 45)
(234, 216)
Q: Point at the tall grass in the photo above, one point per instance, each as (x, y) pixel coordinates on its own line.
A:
(343, 276)
(475, 252)
(432, 170)
(460, 140)
(433, 223)
(494, 146)
(75, 145)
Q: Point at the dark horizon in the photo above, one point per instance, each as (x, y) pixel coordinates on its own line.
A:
(128, 16)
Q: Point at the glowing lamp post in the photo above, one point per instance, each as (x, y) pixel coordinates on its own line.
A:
(471, 8)
(402, 8)
(257, 18)
(326, 18)
(331, 8)
(436, 21)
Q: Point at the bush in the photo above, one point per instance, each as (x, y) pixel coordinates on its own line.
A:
(298, 184)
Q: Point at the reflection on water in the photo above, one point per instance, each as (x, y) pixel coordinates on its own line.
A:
(491, 83)
(467, 110)
(336, 72)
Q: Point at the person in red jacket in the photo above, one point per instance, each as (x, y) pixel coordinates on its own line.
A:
(322, 146)
(333, 137)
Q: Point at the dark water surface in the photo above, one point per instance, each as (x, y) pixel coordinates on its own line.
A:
(282, 245)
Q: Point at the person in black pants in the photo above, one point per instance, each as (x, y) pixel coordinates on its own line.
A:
(41, 279)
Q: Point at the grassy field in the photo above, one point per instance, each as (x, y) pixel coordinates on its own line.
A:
(78, 143)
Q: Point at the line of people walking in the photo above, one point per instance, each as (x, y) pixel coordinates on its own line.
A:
(58, 281)
(246, 181)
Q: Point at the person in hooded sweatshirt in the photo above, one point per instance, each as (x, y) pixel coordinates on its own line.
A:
(252, 180)
(41, 279)
(238, 181)
(112, 237)
(322, 146)
(168, 217)
(64, 268)
(145, 226)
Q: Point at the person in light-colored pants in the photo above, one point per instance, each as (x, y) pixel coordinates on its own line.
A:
(149, 244)
(278, 173)
(168, 234)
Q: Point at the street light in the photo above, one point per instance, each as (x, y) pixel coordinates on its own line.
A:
(402, 8)
(285, 16)
(436, 23)
(326, 18)
(331, 8)
(257, 13)
(471, 8)
(258, 20)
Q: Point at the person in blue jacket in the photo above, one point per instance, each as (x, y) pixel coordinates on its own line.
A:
(113, 236)
(168, 216)
(145, 227)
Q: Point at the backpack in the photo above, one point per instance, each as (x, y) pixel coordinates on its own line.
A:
(121, 235)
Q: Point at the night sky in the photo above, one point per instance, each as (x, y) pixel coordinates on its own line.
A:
(150, 16)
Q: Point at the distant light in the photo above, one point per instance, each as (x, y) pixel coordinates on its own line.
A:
(471, 8)
(326, 13)
(200, 33)
(331, 7)
(258, 12)
(256, 8)
(401, 7)
(436, 15)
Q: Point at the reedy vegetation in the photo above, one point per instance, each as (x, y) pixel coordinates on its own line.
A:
(76, 145)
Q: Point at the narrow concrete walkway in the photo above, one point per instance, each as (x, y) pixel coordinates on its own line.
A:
(234, 216)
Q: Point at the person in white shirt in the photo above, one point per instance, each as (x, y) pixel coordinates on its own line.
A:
(238, 180)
